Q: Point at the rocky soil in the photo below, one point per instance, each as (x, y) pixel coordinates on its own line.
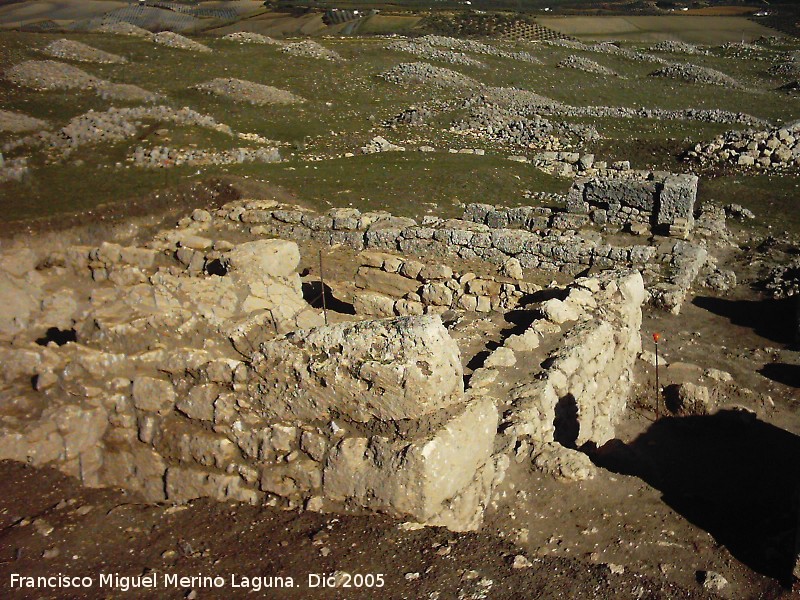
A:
(427, 74)
(239, 90)
(72, 50)
(53, 75)
(311, 49)
(48, 519)
(247, 37)
(775, 148)
(584, 64)
(696, 74)
(181, 42)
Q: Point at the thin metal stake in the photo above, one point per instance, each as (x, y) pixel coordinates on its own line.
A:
(322, 284)
(656, 337)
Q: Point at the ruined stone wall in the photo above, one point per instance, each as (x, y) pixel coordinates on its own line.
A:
(547, 250)
(664, 200)
(581, 391)
(195, 369)
(393, 285)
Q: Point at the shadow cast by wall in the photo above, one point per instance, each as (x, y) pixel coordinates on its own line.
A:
(313, 293)
(730, 474)
(775, 320)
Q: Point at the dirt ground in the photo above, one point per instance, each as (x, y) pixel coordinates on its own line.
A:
(85, 532)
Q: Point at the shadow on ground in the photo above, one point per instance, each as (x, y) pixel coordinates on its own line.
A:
(775, 320)
(315, 291)
(730, 474)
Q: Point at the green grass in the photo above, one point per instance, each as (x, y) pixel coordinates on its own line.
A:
(346, 103)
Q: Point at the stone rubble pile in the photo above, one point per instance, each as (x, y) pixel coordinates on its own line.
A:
(501, 126)
(429, 51)
(426, 47)
(163, 156)
(181, 42)
(677, 47)
(14, 169)
(607, 48)
(784, 281)
(54, 75)
(392, 285)
(696, 74)
(584, 64)
(115, 124)
(380, 144)
(424, 73)
(72, 50)
(774, 148)
(16, 122)
(124, 28)
(785, 69)
(526, 103)
(412, 115)
(311, 49)
(247, 91)
(49, 75)
(247, 37)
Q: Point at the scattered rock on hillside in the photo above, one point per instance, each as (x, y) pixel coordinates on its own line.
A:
(247, 37)
(72, 50)
(175, 40)
(311, 49)
(240, 90)
(424, 73)
(695, 74)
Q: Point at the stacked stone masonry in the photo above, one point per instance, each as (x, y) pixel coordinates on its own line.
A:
(194, 368)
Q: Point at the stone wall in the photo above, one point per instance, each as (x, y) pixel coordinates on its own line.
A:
(551, 250)
(393, 285)
(580, 392)
(664, 200)
(191, 366)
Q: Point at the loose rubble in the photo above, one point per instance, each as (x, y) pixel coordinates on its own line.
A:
(696, 74)
(239, 90)
(15, 122)
(181, 42)
(124, 28)
(311, 49)
(424, 73)
(72, 50)
(677, 47)
(52, 75)
(171, 157)
(584, 64)
(774, 148)
(247, 37)
(115, 124)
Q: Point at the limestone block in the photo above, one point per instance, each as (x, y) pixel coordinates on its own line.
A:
(184, 484)
(401, 368)
(414, 479)
(558, 311)
(199, 402)
(263, 258)
(139, 468)
(677, 199)
(155, 395)
(437, 293)
(389, 284)
(374, 304)
(563, 463)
